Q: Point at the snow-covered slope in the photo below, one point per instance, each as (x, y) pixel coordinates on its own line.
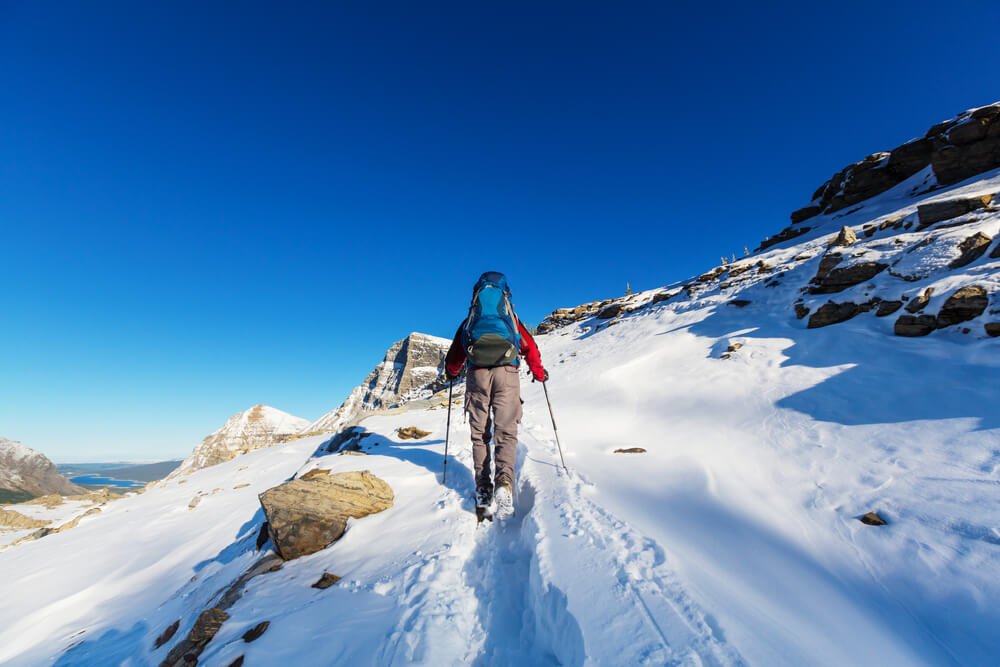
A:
(25, 470)
(259, 426)
(733, 539)
(409, 371)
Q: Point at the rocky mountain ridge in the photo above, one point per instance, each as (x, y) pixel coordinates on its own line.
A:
(24, 470)
(259, 426)
(409, 371)
(925, 245)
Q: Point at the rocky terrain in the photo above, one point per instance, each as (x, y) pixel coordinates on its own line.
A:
(25, 472)
(908, 238)
(409, 371)
(257, 427)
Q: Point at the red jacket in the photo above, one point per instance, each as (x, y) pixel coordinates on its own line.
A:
(456, 358)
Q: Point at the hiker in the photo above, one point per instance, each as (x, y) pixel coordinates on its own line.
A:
(492, 340)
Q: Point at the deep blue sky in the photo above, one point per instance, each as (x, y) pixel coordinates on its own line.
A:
(205, 207)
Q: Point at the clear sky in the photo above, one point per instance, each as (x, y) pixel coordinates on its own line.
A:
(204, 205)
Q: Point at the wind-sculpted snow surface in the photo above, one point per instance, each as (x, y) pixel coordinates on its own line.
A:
(732, 540)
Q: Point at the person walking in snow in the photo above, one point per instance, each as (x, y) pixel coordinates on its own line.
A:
(492, 341)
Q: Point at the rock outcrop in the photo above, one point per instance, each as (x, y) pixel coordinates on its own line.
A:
(25, 471)
(260, 426)
(966, 303)
(972, 249)
(840, 278)
(409, 371)
(939, 211)
(956, 149)
(308, 514)
(832, 313)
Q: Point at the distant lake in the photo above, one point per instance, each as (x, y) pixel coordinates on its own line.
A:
(97, 480)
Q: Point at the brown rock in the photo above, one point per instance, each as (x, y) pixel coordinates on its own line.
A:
(608, 312)
(326, 581)
(205, 628)
(888, 308)
(305, 516)
(920, 302)
(995, 254)
(992, 329)
(933, 212)
(832, 313)
(207, 625)
(661, 296)
(800, 311)
(256, 631)
(846, 237)
(740, 303)
(238, 662)
(915, 325)
(972, 249)
(964, 304)
(786, 234)
(631, 450)
(841, 278)
(167, 634)
(873, 519)
(411, 433)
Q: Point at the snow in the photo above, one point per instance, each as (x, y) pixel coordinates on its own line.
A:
(733, 540)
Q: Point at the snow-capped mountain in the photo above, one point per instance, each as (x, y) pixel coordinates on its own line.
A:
(409, 371)
(25, 470)
(728, 439)
(257, 427)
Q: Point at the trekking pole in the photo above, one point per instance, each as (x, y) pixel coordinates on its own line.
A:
(555, 429)
(447, 433)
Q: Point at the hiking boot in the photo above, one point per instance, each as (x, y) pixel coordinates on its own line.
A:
(505, 500)
(484, 496)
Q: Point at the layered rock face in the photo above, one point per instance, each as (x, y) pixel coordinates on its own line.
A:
(956, 149)
(409, 371)
(24, 470)
(260, 426)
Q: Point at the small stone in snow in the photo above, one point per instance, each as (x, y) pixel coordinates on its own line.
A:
(873, 519)
(256, 631)
(326, 581)
(631, 450)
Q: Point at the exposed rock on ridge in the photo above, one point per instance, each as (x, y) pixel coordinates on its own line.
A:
(409, 371)
(956, 149)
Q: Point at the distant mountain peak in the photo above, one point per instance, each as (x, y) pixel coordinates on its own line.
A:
(408, 371)
(26, 470)
(256, 427)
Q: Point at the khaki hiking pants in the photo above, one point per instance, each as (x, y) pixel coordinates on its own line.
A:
(498, 389)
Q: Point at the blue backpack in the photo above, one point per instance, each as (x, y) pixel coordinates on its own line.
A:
(490, 333)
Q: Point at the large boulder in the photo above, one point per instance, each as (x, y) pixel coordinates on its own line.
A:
(845, 237)
(840, 278)
(938, 211)
(965, 304)
(308, 514)
(915, 325)
(972, 249)
(832, 313)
